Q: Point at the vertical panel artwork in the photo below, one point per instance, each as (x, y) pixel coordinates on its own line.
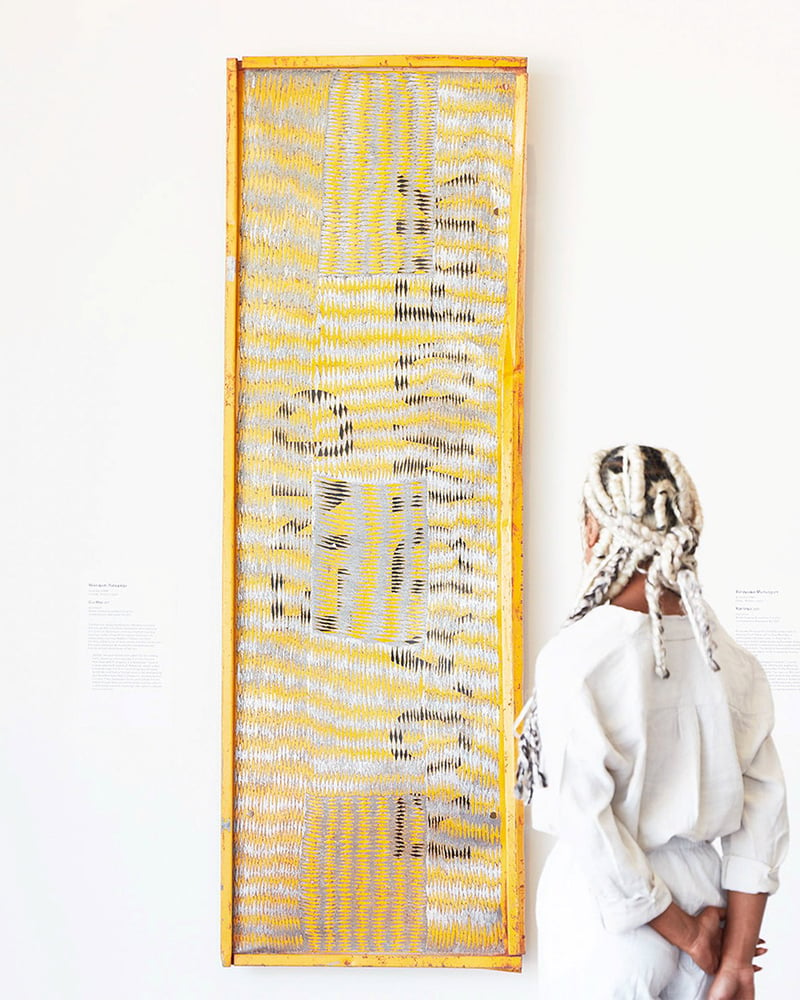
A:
(372, 512)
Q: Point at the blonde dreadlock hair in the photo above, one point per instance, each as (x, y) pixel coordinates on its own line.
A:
(647, 509)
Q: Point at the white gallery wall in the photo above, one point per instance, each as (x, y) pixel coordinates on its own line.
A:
(662, 307)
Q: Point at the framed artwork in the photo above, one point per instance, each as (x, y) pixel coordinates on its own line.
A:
(372, 615)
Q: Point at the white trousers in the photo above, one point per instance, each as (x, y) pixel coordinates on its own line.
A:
(579, 960)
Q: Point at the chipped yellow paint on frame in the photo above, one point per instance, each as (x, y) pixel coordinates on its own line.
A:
(510, 530)
(509, 434)
(503, 963)
(229, 506)
(384, 62)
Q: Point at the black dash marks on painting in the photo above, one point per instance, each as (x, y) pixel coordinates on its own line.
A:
(313, 403)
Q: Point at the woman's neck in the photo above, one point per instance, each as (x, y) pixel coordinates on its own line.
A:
(634, 598)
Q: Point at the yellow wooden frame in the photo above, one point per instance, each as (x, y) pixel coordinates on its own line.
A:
(509, 611)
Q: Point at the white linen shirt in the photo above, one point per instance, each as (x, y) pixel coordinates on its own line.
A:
(632, 761)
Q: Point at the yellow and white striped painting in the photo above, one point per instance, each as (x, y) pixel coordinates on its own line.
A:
(370, 757)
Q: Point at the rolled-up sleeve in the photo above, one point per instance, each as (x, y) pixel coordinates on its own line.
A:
(582, 760)
(753, 854)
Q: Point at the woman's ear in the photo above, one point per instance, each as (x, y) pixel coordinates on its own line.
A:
(591, 533)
